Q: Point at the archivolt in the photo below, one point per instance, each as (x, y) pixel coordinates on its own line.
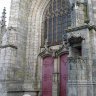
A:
(35, 18)
(34, 31)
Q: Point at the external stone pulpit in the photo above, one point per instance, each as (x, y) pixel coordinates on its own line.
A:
(80, 60)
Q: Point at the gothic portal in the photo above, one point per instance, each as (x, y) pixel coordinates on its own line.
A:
(48, 48)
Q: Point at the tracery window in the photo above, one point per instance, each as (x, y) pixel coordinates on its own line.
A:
(57, 19)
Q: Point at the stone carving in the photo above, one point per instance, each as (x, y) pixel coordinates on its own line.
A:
(85, 10)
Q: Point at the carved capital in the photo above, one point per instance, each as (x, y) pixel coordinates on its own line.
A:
(46, 53)
(63, 50)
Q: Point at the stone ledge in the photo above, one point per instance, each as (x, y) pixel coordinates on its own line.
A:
(9, 45)
(22, 91)
(90, 27)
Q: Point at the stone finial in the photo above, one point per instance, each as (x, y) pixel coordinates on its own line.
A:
(3, 22)
(64, 38)
(46, 44)
(64, 48)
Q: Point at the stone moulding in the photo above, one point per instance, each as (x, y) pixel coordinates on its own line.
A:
(63, 50)
(46, 53)
(9, 45)
(55, 53)
(12, 28)
(22, 91)
(75, 40)
(90, 27)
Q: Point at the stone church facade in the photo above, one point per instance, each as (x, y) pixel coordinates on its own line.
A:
(48, 48)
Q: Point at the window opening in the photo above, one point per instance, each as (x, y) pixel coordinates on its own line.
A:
(57, 19)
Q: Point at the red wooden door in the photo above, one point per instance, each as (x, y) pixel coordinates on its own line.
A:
(47, 71)
(63, 75)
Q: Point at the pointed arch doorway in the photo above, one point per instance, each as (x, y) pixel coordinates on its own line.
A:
(40, 33)
(56, 18)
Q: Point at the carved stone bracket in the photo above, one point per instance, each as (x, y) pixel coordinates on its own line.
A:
(46, 51)
(63, 50)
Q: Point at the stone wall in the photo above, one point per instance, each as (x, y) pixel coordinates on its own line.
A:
(26, 19)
